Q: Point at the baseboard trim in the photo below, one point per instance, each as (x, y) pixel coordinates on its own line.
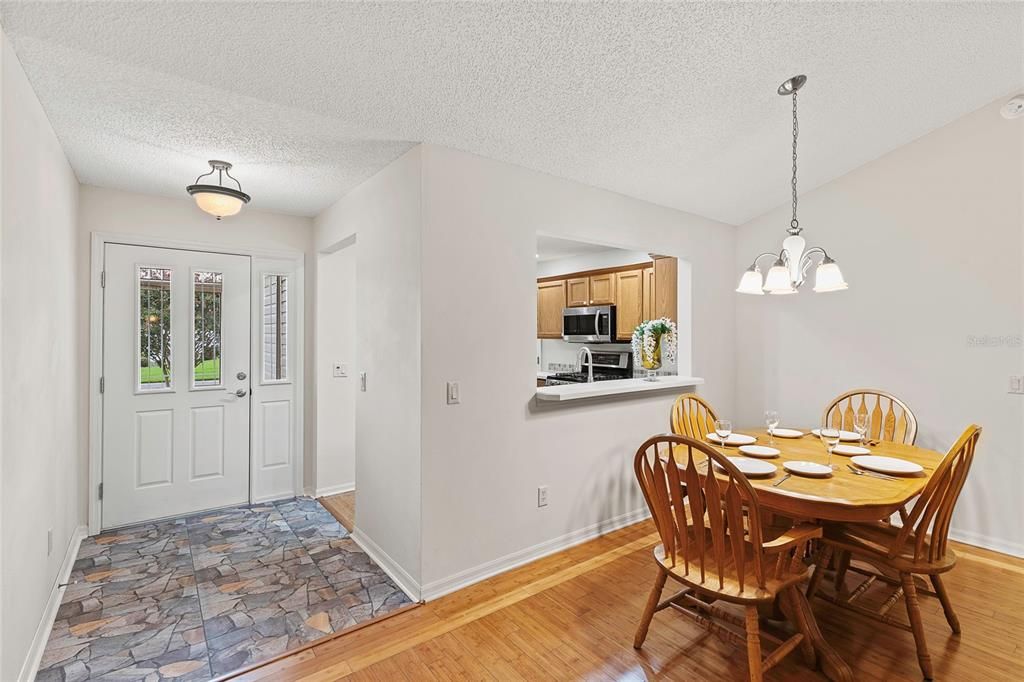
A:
(272, 497)
(30, 666)
(404, 581)
(335, 489)
(439, 588)
(986, 542)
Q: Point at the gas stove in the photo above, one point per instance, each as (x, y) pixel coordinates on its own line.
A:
(578, 378)
(608, 366)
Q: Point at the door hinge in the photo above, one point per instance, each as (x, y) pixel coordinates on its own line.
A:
(103, 383)
(101, 491)
(103, 279)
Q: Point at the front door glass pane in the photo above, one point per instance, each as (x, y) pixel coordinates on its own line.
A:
(207, 300)
(275, 328)
(154, 328)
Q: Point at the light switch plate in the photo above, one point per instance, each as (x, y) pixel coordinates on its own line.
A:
(453, 393)
(542, 496)
(340, 369)
(362, 382)
(1016, 384)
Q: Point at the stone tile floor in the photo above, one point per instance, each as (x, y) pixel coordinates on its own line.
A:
(200, 596)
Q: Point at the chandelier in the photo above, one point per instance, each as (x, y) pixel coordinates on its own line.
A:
(789, 266)
(218, 200)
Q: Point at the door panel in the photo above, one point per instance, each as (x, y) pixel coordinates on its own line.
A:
(550, 302)
(175, 340)
(628, 303)
(577, 292)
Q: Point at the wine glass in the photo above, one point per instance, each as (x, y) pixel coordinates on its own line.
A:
(861, 421)
(723, 427)
(771, 419)
(830, 437)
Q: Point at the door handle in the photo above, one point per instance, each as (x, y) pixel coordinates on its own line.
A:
(240, 393)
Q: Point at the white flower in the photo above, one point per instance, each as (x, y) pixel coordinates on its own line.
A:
(646, 336)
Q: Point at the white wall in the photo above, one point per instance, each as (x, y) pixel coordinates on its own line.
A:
(484, 459)
(336, 397)
(929, 238)
(384, 213)
(43, 422)
(129, 213)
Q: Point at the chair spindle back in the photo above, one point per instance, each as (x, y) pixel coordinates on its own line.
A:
(891, 419)
(711, 524)
(692, 416)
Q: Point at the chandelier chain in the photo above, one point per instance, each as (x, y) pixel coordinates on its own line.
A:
(794, 223)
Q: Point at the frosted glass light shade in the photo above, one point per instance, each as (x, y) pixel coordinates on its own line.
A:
(828, 277)
(218, 204)
(794, 245)
(750, 283)
(777, 282)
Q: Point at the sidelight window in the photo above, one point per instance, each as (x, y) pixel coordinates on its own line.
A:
(275, 328)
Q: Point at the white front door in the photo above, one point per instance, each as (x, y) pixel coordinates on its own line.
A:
(176, 344)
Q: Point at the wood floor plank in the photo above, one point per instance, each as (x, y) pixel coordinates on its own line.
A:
(343, 507)
(572, 616)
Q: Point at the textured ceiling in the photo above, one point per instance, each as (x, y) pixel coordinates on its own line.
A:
(673, 103)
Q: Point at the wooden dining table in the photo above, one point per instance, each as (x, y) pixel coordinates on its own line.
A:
(844, 496)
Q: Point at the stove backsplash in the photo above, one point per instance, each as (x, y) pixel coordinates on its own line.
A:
(555, 355)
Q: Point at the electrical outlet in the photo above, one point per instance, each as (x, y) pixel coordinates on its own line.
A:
(453, 393)
(1016, 384)
(542, 496)
(49, 541)
(340, 370)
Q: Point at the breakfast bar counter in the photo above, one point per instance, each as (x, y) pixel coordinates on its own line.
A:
(599, 389)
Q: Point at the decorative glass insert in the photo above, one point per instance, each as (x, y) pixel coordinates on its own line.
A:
(207, 302)
(275, 327)
(154, 328)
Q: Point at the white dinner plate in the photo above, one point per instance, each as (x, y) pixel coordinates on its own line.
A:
(788, 433)
(759, 451)
(752, 467)
(734, 439)
(843, 435)
(886, 465)
(850, 450)
(801, 468)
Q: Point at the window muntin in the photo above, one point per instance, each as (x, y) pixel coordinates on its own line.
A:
(207, 328)
(154, 306)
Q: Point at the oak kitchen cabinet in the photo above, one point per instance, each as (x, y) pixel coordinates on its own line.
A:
(629, 302)
(642, 291)
(550, 302)
(577, 291)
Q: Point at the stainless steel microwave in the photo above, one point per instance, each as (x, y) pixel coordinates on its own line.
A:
(594, 324)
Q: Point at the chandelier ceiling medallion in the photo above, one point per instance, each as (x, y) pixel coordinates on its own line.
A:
(218, 200)
(789, 266)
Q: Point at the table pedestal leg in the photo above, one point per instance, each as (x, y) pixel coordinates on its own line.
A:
(800, 614)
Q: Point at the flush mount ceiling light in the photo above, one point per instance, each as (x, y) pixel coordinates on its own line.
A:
(218, 200)
(789, 266)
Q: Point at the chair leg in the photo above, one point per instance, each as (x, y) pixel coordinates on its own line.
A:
(842, 564)
(819, 570)
(916, 624)
(947, 606)
(753, 644)
(652, 604)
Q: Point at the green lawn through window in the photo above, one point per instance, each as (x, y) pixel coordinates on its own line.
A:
(207, 370)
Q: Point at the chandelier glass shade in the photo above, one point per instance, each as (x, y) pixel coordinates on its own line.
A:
(218, 200)
(790, 265)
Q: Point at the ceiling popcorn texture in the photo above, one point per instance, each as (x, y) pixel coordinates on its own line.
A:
(672, 103)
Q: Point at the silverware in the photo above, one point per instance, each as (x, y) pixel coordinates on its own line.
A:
(781, 481)
(862, 472)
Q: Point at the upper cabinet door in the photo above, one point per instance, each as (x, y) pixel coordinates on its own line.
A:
(648, 312)
(602, 289)
(629, 302)
(550, 302)
(577, 291)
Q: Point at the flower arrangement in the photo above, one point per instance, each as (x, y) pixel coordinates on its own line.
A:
(651, 339)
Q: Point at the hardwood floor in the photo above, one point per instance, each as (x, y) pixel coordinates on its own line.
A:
(572, 615)
(343, 506)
